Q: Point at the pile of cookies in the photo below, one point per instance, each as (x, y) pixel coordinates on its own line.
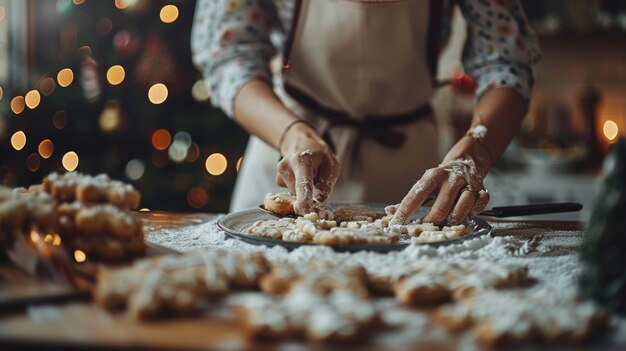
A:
(89, 214)
(351, 224)
(178, 284)
(323, 303)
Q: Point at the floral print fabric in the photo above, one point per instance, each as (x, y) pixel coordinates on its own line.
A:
(233, 42)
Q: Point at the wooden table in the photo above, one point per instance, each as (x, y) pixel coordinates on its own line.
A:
(82, 325)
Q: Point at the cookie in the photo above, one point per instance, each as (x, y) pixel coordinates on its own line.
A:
(421, 289)
(88, 189)
(279, 203)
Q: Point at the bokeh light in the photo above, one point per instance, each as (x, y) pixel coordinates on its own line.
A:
(33, 162)
(78, 2)
(116, 75)
(18, 140)
(238, 163)
(216, 164)
(193, 154)
(135, 169)
(47, 86)
(111, 118)
(46, 148)
(199, 91)
(168, 14)
(59, 119)
(124, 4)
(104, 26)
(70, 161)
(197, 197)
(18, 104)
(157, 93)
(145, 209)
(65, 77)
(161, 139)
(80, 256)
(610, 129)
(56, 239)
(1, 93)
(32, 99)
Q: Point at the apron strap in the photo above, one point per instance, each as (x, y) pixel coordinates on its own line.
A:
(433, 44)
(297, 10)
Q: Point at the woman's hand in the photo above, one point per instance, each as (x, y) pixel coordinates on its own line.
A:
(308, 168)
(459, 190)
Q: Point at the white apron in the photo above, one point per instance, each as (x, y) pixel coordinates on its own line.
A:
(366, 60)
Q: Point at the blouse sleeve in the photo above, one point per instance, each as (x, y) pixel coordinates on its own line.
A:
(501, 47)
(231, 45)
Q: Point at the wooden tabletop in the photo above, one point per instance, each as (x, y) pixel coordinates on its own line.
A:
(82, 325)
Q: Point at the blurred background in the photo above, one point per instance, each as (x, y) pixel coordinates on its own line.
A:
(108, 86)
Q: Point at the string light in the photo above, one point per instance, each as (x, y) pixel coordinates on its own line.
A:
(157, 93)
(48, 238)
(65, 77)
(70, 161)
(78, 2)
(168, 14)
(59, 119)
(161, 139)
(18, 140)
(33, 162)
(47, 86)
(80, 256)
(34, 236)
(610, 129)
(123, 4)
(145, 209)
(18, 104)
(116, 74)
(56, 239)
(32, 99)
(46, 148)
(216, 164)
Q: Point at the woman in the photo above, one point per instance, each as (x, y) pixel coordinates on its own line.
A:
(354, 91)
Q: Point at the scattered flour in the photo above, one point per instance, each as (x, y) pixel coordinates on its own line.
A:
(550, 255)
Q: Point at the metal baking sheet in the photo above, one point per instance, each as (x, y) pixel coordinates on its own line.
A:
(236, 225)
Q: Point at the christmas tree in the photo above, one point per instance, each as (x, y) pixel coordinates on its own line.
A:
(112, 89)
(604, 250)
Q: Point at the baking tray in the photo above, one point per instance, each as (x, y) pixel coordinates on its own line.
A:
(236, 224)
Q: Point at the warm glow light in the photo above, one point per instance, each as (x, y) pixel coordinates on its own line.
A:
(145, 209)
(32, 99)
(169, 13)
(48, 238)
(34, 236)
(65, 77)
(116, 74)
(1, 93)
(122, 4)
(18, 140)
(46, 148)
(47, 86)
(110, 118)
(157, 93)
(59, 119)
(238, 163)
(199, 91)
(78, 2)
(610, 129)
(70, 161)
(56, 239)
(33, 162)
(80, 256)
(18, 104)
(216, 164)
(161, 139)
(197, 197)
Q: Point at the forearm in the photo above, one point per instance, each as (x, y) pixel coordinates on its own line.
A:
(259, 111)
(501, 111)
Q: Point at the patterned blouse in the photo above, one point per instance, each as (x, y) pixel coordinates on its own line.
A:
(233, 42)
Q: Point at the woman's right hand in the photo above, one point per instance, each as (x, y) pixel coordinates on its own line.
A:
(308, 168)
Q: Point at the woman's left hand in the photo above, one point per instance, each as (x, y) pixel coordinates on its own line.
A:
(459, 190)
